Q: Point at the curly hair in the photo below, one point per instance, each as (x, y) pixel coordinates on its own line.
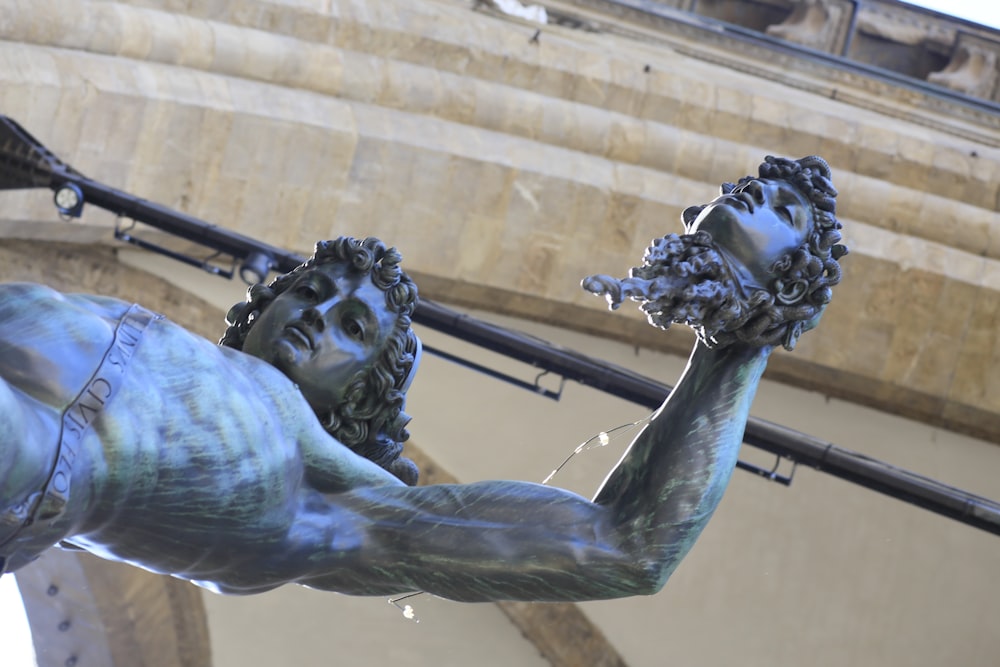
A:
(814, 265)
(370, 420)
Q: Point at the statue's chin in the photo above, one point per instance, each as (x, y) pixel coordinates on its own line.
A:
(287, 354)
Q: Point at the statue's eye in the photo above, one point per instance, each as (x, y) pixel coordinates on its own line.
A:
(307, 291)
(786, 213)
(353, 328)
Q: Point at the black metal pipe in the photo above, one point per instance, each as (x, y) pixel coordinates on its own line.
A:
(176, 223)
(571, 365)
(854, 467)
(877, 475)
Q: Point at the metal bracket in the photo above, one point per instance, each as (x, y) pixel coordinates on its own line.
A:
(535, 387)
(771, 474)
(123, 234)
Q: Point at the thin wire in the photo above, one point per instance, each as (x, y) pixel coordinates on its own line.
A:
(602, 439)
(407, 610)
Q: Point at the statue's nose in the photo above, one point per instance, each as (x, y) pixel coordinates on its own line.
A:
(756, 190)
(314, 318)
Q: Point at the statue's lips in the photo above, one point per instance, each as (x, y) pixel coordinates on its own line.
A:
(300, 331)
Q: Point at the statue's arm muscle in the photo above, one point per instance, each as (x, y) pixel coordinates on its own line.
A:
(476, 542)
(516, 540)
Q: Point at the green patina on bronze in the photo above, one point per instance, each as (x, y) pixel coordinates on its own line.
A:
(246, 470)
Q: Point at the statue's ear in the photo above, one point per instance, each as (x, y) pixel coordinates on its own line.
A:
(790, 292)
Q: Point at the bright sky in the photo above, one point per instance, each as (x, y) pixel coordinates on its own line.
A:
(986, 12)
(15, 636)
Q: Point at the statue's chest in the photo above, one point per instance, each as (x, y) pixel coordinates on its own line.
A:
(50, 350)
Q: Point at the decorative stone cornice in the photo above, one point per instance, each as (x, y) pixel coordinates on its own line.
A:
(892, 23)
(819, 24)
(973, 67)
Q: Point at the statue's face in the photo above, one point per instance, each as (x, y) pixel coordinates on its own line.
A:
(756, 225)
(327, 326)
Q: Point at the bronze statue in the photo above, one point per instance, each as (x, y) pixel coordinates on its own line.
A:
(126, 435)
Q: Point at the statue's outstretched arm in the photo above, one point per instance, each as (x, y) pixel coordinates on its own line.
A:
(515, 540)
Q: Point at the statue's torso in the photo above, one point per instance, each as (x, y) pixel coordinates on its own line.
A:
(198, 442)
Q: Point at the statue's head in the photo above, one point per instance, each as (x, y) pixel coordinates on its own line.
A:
(339, 327)
(756, 265)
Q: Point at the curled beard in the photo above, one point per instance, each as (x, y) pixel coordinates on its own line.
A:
(684, 280)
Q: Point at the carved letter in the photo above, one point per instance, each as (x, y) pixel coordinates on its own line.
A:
(103, 386)
(84, 409)
(60, 482)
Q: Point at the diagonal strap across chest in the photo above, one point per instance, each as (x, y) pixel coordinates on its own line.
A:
(49, 502)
